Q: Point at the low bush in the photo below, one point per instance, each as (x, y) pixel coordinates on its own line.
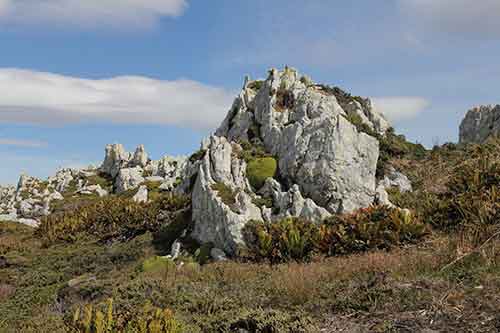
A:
(113, 218)
(377, 227)
(473, 194)
(259, 169)
(101, 319)
(256, 85)
(250, 152)
(227, 195)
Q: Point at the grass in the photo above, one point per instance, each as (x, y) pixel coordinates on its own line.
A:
(227, 195)
(447, 281)
(368, 291)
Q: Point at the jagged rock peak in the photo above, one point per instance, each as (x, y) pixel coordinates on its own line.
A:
(480, 123)
(325, 163)
(309, 128)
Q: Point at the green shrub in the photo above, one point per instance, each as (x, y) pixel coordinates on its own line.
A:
(250, 152)
(256, 85)
(197, 156)
(103, 318)
(202, 254)
(227, 195)
(377, 227)
(263, 202)
(288, 239)
(473, 190)
(260, 169)
(113, 218)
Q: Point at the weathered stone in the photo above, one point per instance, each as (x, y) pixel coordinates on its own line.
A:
(140, 157)
(480, 123)
(142, 195)
(116, 158)
(216, 221)
(317, 147)
(128, 179)
(218, 254)
(394, 178)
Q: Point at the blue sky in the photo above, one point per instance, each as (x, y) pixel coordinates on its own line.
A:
(75, 75)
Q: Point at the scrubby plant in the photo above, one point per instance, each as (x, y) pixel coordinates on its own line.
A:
(378, 227)
(256, 85)
(287, 239)
(473, 190)
(250, 151)
(227, 194)
(150, 320)
(259, 169)
(197, 156)
(113, 218)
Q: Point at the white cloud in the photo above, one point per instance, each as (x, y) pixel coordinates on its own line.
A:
(22, 143)
(90, 13)
(478, 18)
(400, 108)
(39, 97)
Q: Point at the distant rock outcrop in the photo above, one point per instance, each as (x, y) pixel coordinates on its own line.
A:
(480, 123)
(120, 171)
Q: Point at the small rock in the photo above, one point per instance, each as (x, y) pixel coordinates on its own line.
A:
(218, 254)
(142, 195)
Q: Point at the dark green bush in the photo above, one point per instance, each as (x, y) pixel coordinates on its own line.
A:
(197, 156)
(256, 85)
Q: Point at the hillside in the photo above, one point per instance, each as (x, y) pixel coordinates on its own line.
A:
(304, 212)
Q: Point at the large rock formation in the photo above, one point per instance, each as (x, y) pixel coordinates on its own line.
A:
(287, 148)
(480, 123)
(326, 165)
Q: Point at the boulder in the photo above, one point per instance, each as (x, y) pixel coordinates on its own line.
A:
(480, 123)
(142, 195)
(218, 254)
(394, 178)
(128, 179)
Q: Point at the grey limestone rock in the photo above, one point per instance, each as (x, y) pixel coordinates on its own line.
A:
(480, 123)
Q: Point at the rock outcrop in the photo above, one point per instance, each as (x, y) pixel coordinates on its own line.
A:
(120, 171)
(325, 164)
(480, 123)
(287, 148)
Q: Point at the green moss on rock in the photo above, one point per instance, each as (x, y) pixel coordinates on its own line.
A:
(259, 169)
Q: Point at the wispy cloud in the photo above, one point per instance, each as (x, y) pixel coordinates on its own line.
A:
(400, 108)
(90, 13)
(23, 143)
(45, 98)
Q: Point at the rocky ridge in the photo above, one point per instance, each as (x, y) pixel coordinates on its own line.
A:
(121, 171)
(480, 123)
